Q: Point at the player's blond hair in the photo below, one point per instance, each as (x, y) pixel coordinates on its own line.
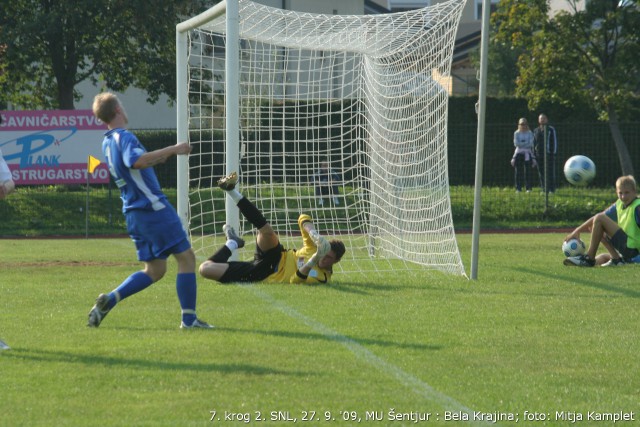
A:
(104, 106)
(627, 181)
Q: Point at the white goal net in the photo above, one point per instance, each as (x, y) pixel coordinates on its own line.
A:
(365, 96)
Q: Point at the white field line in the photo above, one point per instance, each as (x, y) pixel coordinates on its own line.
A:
(416, 385)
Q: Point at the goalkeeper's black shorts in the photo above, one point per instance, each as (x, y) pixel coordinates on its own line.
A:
(264, 264)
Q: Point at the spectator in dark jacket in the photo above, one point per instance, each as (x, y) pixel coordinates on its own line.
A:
(546, 150)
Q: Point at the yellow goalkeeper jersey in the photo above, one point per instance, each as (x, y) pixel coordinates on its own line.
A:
(293, 259)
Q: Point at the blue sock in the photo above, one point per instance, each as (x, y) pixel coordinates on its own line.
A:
(133, 284)
(186, 287)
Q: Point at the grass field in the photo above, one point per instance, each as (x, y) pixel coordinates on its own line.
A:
(531, 339)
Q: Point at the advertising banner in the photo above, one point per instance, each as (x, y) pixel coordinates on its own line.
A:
(52, 146)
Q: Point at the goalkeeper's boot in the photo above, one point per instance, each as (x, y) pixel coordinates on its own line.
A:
(231, 235)
(99, 311)
(197, 324)
(228, 183)
(4, 345)
(580, 261)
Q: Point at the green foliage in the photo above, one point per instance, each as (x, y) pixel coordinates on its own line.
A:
(528, 335)
(54, 45)
(512, 28)
(586, 58)
(3, 74)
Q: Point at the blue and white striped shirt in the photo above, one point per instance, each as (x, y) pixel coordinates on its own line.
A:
(139, 188)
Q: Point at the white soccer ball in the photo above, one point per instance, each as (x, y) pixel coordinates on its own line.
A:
(579, 170)
(573, 247)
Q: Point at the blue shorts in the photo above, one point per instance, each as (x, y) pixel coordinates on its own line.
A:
(157, 234)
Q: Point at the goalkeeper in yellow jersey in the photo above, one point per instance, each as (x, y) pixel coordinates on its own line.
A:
(313, 264)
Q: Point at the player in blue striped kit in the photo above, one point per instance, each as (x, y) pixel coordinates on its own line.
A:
(152, 223)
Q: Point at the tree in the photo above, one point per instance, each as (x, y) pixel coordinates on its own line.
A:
(3, 74)
(512, 27)
(53, 45)
(588, 57)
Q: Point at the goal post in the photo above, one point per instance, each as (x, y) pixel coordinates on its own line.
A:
(282, 96)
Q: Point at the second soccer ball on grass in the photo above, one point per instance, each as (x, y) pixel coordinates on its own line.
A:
(573, 247)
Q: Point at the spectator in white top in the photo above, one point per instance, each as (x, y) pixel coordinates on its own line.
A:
(523, 158)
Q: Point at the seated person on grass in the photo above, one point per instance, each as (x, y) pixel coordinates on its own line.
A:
(618, 228)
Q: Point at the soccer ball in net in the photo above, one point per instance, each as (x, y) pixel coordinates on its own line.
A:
(579, 170)
(573, 247)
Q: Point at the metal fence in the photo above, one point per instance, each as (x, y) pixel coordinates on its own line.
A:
(78, 210)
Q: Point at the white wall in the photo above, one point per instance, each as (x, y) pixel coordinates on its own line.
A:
(327, 7)
(558, 5)
(142, 115)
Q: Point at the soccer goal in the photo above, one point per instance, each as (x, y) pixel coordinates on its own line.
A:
(277, 94)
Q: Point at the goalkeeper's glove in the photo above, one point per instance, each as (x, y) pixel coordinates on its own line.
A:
(313, 233)
(300, 277)
(322, 243)
(323, 248)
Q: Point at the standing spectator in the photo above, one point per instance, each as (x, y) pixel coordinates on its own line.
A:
(546, 149)
(152, 222)
(326, 182)
(523, 158)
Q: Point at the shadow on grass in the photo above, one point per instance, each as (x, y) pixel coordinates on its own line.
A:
(582, 282)
(49, 356)
(373, 288)
(360, 288)
(334, 338)
(370, 288)
(346, 287)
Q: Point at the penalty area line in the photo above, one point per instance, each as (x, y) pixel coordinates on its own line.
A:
(418, 386)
